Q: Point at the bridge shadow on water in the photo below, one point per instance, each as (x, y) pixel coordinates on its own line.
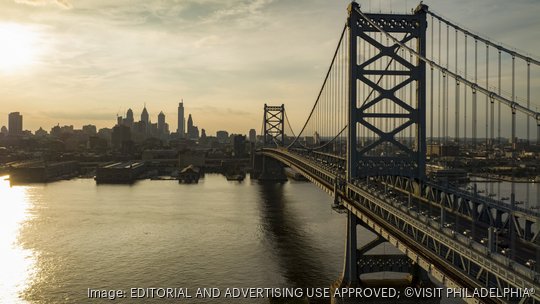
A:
(300, 261)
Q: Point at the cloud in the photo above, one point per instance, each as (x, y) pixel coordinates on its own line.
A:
(65, 4)
(245, 13)
(253, 7)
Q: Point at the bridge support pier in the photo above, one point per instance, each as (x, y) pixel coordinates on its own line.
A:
(357, 261)
(419, 277)
(267, 169)
(350, 267)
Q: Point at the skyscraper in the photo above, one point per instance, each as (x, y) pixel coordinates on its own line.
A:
(145, 116)
(192, 131)
(15, 123)
(189, 123)
(252, 135)
(161, 123)
(181, 120)
(129, 118)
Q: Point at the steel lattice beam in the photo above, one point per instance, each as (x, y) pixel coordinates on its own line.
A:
(407, 161)
(274, 125)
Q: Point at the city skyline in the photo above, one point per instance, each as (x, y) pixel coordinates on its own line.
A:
(16, 127)
(226, 59)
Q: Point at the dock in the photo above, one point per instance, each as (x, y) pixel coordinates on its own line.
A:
(41, 171)
(120, 172)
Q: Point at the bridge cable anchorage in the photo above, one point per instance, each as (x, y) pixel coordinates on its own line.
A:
(483, 90)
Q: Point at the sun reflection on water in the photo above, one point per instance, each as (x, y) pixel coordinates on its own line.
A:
(16, 263)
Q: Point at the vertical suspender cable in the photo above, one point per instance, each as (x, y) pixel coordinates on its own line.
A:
(474, 129)
(394, 84)
(456, 135)
(499, 103)
(411, 127)
(528, 100)
(378, 105)
(514, 100)
(465, 97)
(431, 90)
(340, 105)
(329, 108)
(513, 129)
(487, 100)
(363, 47)
(401, 96)
(367, 137)
(440, 92)
(447, 116)
(444, 107)
(324, 112)
(387, 102)
(340, 63)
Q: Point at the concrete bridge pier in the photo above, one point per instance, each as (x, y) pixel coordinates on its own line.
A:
(267, 169)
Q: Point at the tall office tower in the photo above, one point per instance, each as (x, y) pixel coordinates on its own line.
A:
(15, 123)
(129, 118)
(181, 131)
(189, 123)
(192, 131)
(161, 123)
(203, 134)
(145, 116)
(252, 136)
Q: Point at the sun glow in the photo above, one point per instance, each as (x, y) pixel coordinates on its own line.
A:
(19, 47)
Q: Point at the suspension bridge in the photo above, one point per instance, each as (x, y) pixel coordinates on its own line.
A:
(404, 92)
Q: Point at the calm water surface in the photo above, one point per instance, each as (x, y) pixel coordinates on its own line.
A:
(527, 194)
(58, 239)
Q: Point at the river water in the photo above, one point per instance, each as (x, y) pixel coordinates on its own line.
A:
(59, 239)
(527, 195)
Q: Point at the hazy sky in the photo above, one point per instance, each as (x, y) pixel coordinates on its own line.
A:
(83, 61)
